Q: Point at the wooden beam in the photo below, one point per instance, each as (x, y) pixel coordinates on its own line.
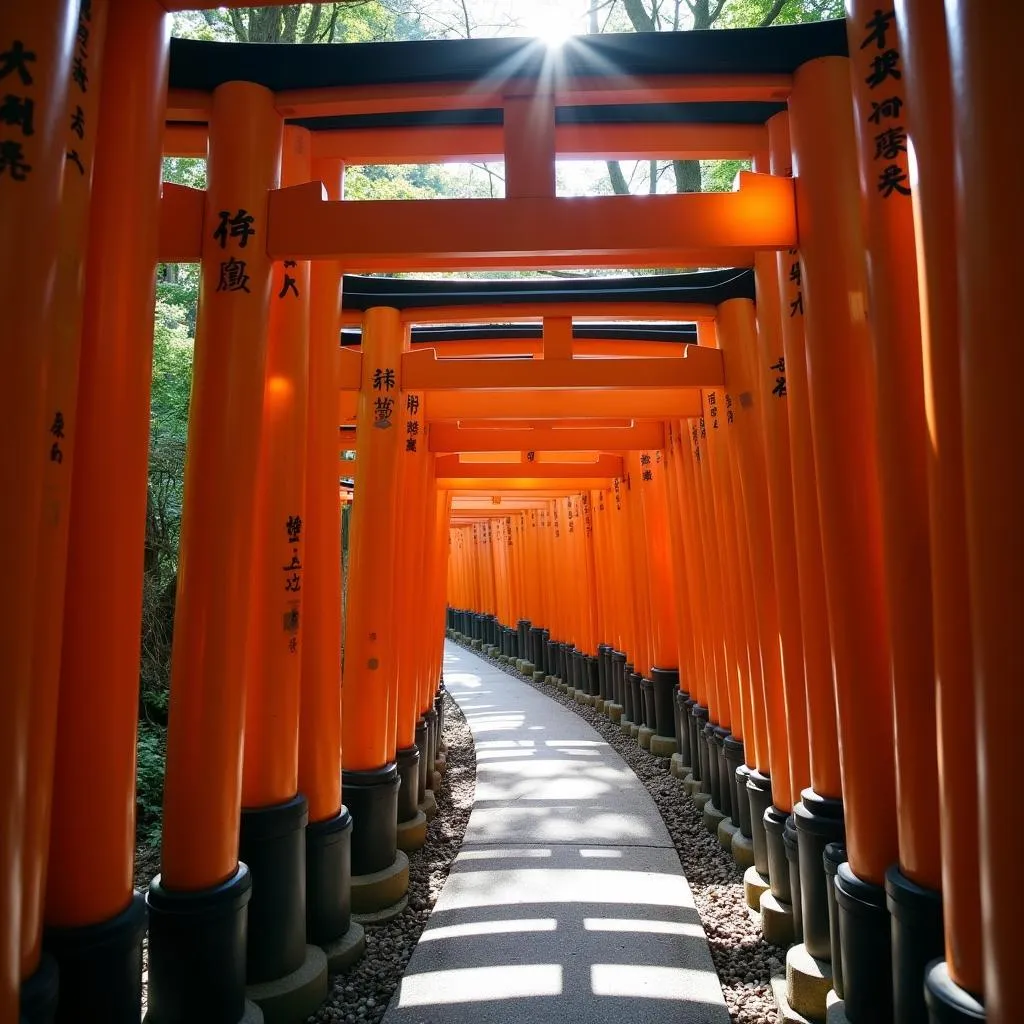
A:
(701, 229)
(661, 404)
(180, 235)
(445, 437)
(539, 485)
(700, 368)
(580, 311)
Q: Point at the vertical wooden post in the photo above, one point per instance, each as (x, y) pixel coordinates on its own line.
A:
(60, 434)
(36, 52)
(89, 894)
(842, 403)
(369, 693)
(202, 794)
(985, 65)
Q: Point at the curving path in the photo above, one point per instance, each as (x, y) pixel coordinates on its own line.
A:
(567, 902)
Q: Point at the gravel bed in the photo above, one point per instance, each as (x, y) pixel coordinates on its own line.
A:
(744, 961)
(361, 994)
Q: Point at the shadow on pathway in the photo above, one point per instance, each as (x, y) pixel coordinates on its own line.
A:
(567, 902)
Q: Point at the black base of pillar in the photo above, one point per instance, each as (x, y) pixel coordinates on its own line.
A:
(433, 741)
(197, 952)
(948, 1003)
(628, 711)
(789, 839)
(732, 751)
(593, 683)
(603, 665)
(759, 793)
(917, 940)
(834, 855)
(37, 999)
(97, 968)
(636, 694)
(372, 798)
(682, 711)
(408, 760)
(714, 775)
(698, 751)
(272, 842)
(778, 865)
(649, 717)
(579, 671)
(665, 684)
(864, 934)
(724, 772)
(329, 878)
(422, 734)
(742, 772)
(439, 708)
(819, 821)
(618, 665)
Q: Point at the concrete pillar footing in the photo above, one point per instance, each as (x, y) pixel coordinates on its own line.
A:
(776, 920)
(835, 1012)
(344, 952)
(663, 746)
(727, 828)
(293, 998)
(754, 885)
(380, 889)
(808, 983)
(412, 834)
(678, 769)
(428, 805)
(742, 850)
(382, 916)
(625, 727)
(786, 1013)
(713, 817)
(614, 712)
(644, 735)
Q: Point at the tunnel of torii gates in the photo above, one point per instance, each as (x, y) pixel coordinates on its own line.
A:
(768, 516)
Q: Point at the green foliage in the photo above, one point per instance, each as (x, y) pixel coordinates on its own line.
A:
(149, 783)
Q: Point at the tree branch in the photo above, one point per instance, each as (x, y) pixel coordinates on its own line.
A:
(773, 12)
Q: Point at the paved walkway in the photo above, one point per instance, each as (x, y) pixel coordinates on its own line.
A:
(566, 902)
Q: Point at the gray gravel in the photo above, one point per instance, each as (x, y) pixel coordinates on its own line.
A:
(743, 960)
(361, 994)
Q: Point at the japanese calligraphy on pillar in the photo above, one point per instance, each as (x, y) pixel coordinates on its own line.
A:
(588, 522)
(413, 421)
(647, 472)
(618, 495)
(778, 370)
(794, 291)
(233, 232)
(696, 433)
(80, 83)
(508, 529)
(555, 520)
(713, 409)
(885, 132)
(293, 583)
(289, 281)
(569, 516)
(17, 108)
(383, 382)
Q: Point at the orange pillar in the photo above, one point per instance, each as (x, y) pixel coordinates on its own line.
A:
(328, 834)
(410, 578)
(842, 403)
(36, 55)
(819, 811)
(925, 52)
(894, 311)
(274, 812)
(984, 63)
(61, 401)
(369, 691)
(92, 832)
(202, 794)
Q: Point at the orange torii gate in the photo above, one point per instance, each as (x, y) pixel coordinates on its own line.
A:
(821, 548)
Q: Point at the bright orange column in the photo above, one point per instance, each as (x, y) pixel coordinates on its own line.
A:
(985, 67)
(92, 833)
(270, 763)
(36, 52)
(843, 418)
(60, 408)
(204, 743)
(320, 689)
(922, 27)
(369, 634)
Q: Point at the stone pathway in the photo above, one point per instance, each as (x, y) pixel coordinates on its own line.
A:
(567, 902)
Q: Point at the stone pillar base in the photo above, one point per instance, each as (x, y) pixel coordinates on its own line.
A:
(836, 1011)
(754, 886)
(947, 1002)
(345, 951)
(412, 834)
(786, 1013)
(382, 916)
(644, 736)
(713, 817)
(727, 829)
(539, 677)
(374, 892)
(776, 920)
(742, 849)
(634, 730)
(293, 998)
(625, 727)
(808, 983)
(428, 805)
(599, 705)
(614, 712)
